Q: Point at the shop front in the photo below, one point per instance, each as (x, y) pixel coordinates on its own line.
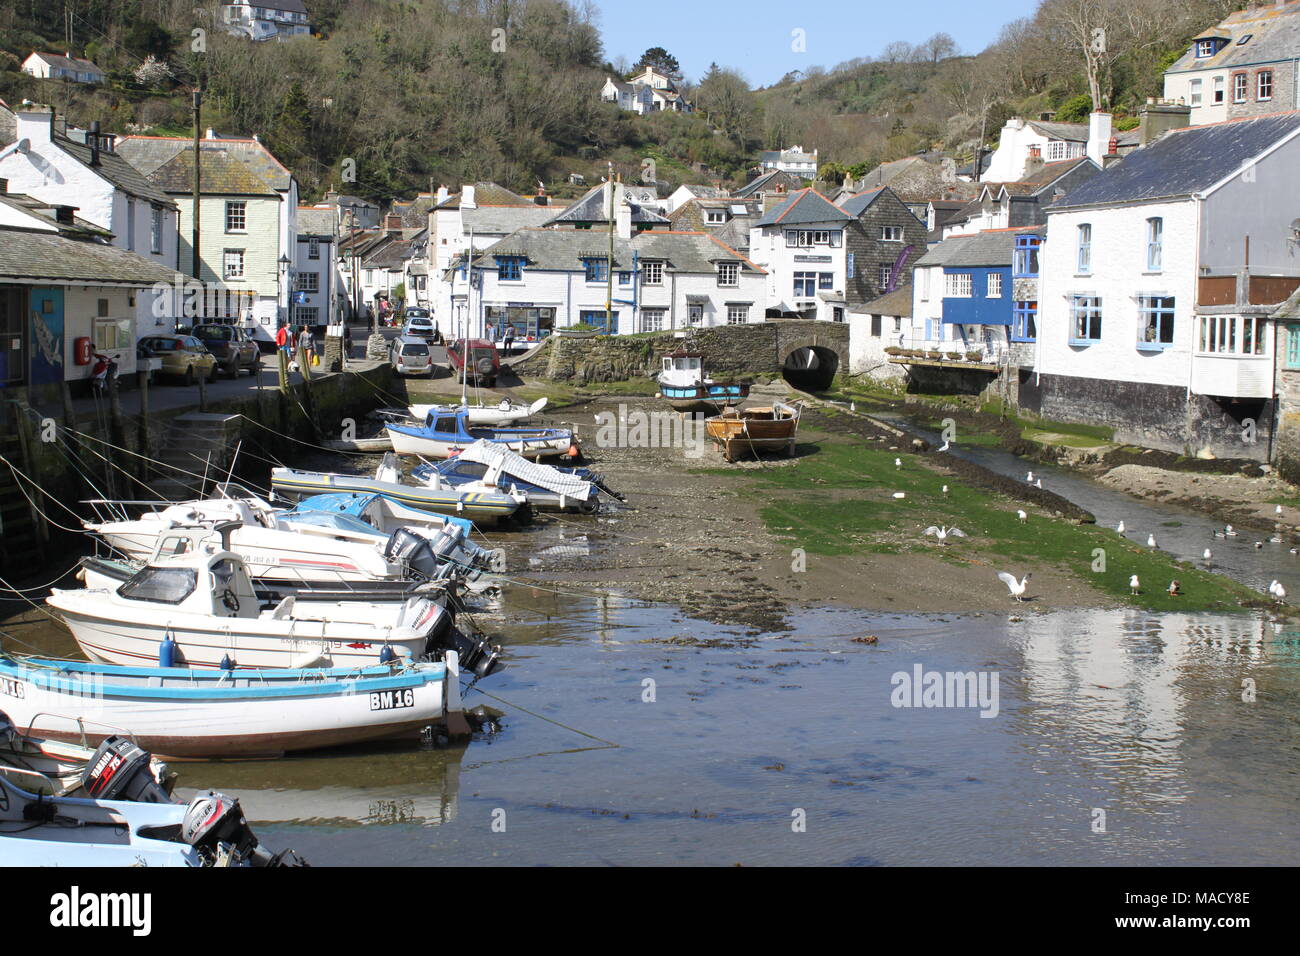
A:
(528, 321)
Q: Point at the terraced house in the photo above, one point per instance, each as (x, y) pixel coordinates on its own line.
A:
(800, 241)
(1159, 279)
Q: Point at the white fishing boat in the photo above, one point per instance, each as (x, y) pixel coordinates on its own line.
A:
(300, 547)
(194, 714)
(490, 464)
(446, 434)
(62, 762)
(200, 609)
(502, 414)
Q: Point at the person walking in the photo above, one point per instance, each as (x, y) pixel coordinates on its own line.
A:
(308, 343)
(347, 343)
(283, 341)
(510, 337)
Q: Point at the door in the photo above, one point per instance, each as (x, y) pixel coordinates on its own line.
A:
(13, 336)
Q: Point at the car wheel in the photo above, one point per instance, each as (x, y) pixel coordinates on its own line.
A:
(233, 370)
(189, 375)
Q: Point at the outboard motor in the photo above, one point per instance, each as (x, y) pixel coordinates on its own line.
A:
(214, 823)
(414, 551)
(120, 770)
(476, 654)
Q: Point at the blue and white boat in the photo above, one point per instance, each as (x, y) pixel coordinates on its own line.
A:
(544, 486)
(446, 434)
(179, 712)
(683, 383)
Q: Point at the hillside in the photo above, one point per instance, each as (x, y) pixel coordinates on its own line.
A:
(411, 93)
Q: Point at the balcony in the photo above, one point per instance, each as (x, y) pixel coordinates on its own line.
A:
(923, 352)
(1233, 376)
(1258, 290)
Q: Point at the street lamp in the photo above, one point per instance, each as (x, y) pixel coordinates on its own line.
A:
(284, 284)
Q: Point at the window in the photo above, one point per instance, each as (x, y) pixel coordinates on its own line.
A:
(1218, 90)
(737, 314)
(716, 216)
(837, 314)
(306, 282)
(1025, 258)
(599, 320)
(1233, 335)
(695, 314)
(826, 280)
(236, 217)
(1204, 48)
(886, 273)
(597, 269)
(313, 248)
(809, 237)
(232, 264)
(1240, 84)
(625, 278)
(652, 320)
(925, 284)
(1085, 319)
(1194, 88)
(1155, 321)
(306, 315)
(1083, 265)
(1059, 149)
(898, 323)
(1155, 242)
(957, 285)
(891, 233)
(1292, 346)
(1264, 85)
(805, 285)
(994, 290)
(155, 229)
(510, 269)
(164, 585)
(130, 224)
(1024, 322)
(728, 274)
(653, 273)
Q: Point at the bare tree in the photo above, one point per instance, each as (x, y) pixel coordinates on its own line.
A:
(938, 47)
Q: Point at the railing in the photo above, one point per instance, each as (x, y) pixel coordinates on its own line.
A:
(989, 353)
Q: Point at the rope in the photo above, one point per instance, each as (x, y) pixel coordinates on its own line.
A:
(17, 484)
(43, 587)
(533, 713)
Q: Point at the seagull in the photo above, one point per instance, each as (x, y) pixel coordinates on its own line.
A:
(945, 532)
(1276, 539)
(898, 463)
(944, 446)
(1151, 541)
(1038, 483)
(1030, 478)
(1228, 532)
(1207, 554)
(1134, 584)
(945, 489)
(1017, 588)
(1277, 510)
(1276, 590)
(1175, 589)
(1022, 516)
(1120, 529)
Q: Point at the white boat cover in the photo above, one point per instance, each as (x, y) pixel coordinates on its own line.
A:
(494, 454)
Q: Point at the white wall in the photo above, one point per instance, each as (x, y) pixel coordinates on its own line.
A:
(768, 249)
(1178, 86)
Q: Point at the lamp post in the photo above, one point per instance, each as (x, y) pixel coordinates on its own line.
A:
(284, 286)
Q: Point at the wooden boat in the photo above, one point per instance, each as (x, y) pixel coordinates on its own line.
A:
(443, 435)
(502, 414)
(755, 429)
(683, 383)
(196, 714)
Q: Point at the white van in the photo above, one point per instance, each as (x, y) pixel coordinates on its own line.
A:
(411, 356)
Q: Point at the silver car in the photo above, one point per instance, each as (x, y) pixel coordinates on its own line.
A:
(411, 356)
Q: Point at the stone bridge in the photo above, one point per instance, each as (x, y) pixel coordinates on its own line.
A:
(806, 352)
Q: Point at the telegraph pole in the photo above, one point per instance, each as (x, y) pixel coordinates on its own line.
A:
(609, 262)
(195, 216)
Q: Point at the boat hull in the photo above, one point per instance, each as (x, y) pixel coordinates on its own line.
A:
(478, 507)
(754, 430)
(408, 442)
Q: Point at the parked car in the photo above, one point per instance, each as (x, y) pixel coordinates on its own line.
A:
(420, 323)
(232, 346)
(411, 356)
(182, 355)
(484, 363)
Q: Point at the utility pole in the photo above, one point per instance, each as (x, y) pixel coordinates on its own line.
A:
(198, 165)
(609, 262)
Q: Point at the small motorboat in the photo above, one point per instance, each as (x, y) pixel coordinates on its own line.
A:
(683, 383)
(365, 446)
(205, 714)
(444, 435)
(755, 429)
(502, 414)
(63, 763)
(492, 464)
(481, 507)
(199, 608)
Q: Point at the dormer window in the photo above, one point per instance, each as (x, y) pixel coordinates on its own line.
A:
(1206, 48)
(511, 268)
(728, 274)
(716, 216)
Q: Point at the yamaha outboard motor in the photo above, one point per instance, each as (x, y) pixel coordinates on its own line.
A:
(476, 654)
(120, 770)
(414, 551)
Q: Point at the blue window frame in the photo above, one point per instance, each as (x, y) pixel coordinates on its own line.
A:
(1084, 264)
(805, 285)
(1085, 319)
(597, 269)
(1025, 257)
(1155, 322)
(1293, 346)
(599, 321)
(510, 268)
(1155, 244)
(826, 280)
(1024, 322)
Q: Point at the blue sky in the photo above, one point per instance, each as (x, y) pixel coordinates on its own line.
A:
(754, 36)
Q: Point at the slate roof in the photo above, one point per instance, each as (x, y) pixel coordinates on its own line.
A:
(562, 250)
(8, 124)
(502, 220)
(293, 6)
(858, 203)
(777, 177)
(59, 259)
(1290, 309)
(117, 169)
(486, 194)
(45, 210)
(993, 247)
(316, 221)
(594, 206)
(69, 62)
(803, 206)
(1274, 36)
(230, 166)
(898, 302)
(1183, 162)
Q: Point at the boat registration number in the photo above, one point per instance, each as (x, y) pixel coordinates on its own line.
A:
(12, 688)
(392, 699)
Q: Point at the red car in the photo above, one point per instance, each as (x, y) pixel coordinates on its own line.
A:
(484, 361)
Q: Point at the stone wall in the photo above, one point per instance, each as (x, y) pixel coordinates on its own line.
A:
(756, 350)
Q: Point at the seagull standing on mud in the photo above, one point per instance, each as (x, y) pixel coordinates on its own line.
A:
(944, 532)
(1134, 584)
(898, 463)
(1151, 541)
(1207, 555)
(1020, 513)
(1120, 529)
(1017, 588)
(944, 446)
(1030, 478)
(1277, 591)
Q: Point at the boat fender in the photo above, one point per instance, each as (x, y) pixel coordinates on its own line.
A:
(167, 651)
(387, 655)
(226, 663)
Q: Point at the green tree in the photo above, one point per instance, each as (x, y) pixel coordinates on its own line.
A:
(661, 61)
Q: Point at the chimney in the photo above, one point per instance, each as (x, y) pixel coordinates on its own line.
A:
(93, 142)
(35, 123)
(1159, 117)
(623, 219)
(393, 225)
(1035, 161)
(1099, 130)
(442, 194)
(210, 133)
(467, 200)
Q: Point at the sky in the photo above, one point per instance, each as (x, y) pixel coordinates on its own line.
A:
(757, 37)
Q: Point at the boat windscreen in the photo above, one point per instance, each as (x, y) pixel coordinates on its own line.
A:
(335, 520)
(164, 585)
